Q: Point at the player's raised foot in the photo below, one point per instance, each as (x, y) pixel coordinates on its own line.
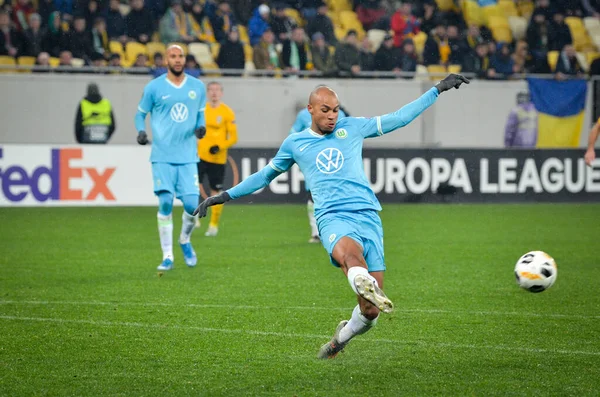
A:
(189, 255)
(212, 231)
(167, 264)
(314, 240)
(368, 290)
(333, 347)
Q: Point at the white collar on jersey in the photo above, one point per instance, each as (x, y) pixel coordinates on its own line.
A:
(177, 86)
(315, 134)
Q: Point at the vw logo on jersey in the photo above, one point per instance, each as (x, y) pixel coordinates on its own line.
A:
(179, 112)
(330, 160)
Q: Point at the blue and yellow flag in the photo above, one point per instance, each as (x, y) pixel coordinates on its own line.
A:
(560, 106)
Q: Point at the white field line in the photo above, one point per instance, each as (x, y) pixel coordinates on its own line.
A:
(422, 344)
(258, 307)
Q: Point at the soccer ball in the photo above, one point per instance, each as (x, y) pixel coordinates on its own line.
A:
(536, 271)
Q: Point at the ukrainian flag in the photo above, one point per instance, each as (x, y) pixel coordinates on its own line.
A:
(560, 106)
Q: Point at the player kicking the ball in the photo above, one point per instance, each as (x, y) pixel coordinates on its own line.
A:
(177, 103)
(330, 156)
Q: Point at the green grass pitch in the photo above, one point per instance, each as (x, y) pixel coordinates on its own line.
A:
(84, 312)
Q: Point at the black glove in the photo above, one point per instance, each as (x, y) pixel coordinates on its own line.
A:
(142, 138)
(209, 202)
(214, 149)
(452, 80)
(200, 132)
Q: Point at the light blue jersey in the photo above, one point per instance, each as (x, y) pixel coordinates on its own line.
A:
(176, 112)
(304, 120)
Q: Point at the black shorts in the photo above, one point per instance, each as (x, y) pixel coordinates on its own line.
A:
(214, 172)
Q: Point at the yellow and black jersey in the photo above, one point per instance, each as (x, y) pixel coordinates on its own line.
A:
(221, 130)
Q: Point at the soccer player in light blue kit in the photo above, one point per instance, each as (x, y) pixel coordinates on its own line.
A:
(176, 102)
(330, 156)
(303, 122)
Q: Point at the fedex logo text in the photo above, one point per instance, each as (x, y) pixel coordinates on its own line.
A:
(55, 182)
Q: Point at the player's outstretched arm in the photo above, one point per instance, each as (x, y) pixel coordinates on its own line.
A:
(254, 182)
(407, 113)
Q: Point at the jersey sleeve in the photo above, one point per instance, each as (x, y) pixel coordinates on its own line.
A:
(147, 102)
(284, 159)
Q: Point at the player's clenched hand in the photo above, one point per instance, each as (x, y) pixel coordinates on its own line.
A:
(209, 202)
(142, 138)
(200, 132)
(590, 156)
(452, 80)
(214, 149)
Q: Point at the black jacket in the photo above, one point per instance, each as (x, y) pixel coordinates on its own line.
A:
(138, 23)
(321, 23)
(16, 40)
(286, 53)
(79, 120)
(559, 36)
(231, 55)
(386, 59)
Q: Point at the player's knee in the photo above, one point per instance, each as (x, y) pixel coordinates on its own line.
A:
(190, 202)
(165, 203)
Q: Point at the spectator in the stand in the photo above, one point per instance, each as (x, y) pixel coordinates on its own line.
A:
(242, 10)
(100, 40)
(178, 26)
(537, 35)
(34, 36)
(265, 55)
(521, 126)
(568, 64)
(43, 60)
(223, 21)
(115, 61)
(231, 54)
(139, 22)
(258, 23)
(409, 58)
(366, 57)
(436, 50)
(387, 57)
(322, 23)
(201, 22)
(54, 37)
(45, 8)
(502, 62)
(308, 8)
(281, 24)
(572, 8)
(11, 42)
(65, 59)
(474, 36)
(431, 17)
(159, 67)
(115, 23)
(293, 52)
(79, 40)
(192, 67)
(95, 121)
(591, 8)
(347, 56)
(544, 7)
(458, 46)
(21, 12)
(65, 7)
(523, 61)
(559, 34)
(478, 62)
(595, 67)
(97, 60)
(141, 61)
(321, 56)
(404, 24)
(369, 12)
(92, 13)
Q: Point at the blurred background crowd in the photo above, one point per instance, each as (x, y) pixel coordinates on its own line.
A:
(486, 38)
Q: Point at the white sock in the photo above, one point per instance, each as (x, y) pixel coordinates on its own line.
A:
(355, 271)
(187, 227)
(310, 208)
(357, 325)
(165, 232)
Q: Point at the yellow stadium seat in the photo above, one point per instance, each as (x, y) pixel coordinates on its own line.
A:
(502, 34)
(340, 5)
(348, 18)
(376, 37)
(116, 47)
(54, 62)
(248, 52)
(445, 5)
(201, 52)
(591, 22)
(214, 50)
(243, 34)
(518, 27)
(492, 11)
(472, 13)
(581, 58)
(525, 8)
(575, 23)
(334, 16)
(454, 68)
(295, 15)
(153, 47)
(495, 21)
(419, 39)
(7, 61)
(509, 8)
(26, 60)
(132, 50)
(339, 32)
(77, 62)
(438, 72)
(581, 40)
(553, 59)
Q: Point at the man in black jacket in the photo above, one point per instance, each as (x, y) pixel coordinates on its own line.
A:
(95, 121)
(139, 23)
(231, 53)
(294, 51)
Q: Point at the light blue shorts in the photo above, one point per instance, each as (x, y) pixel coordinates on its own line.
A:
(178, 179)
(364, 227)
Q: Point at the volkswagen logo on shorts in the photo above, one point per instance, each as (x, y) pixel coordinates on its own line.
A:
(179, 112)
(330, 160)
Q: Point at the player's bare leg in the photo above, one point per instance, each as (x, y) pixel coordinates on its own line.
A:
(314, 231)
(215, 216)
(371, 298)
